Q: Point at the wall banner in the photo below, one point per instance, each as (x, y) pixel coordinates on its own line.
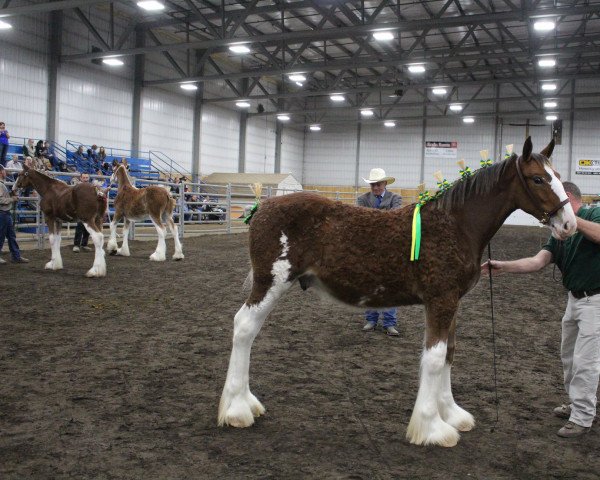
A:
(587, 167)
(441, 150)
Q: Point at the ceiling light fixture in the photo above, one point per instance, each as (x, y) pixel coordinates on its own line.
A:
(239, 48)
(439, 91)
(416, 68)
(315, 128)
(389, 123)
(297, 77)
(455, 107)
(383, 35)
(242, 104)
(468, 120)
(283, 117)
(544, 25)
(300, 84)
(4, 25)
(112, 61)
(337, 98)
(551, 118)
(151, 5)
(550, 104)
(367, 113)
(546, 62)
(188, 86)
(548, 87)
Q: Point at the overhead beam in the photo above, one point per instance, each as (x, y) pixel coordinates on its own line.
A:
(50, 7)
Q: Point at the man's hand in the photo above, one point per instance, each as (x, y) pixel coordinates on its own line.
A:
(497, 267)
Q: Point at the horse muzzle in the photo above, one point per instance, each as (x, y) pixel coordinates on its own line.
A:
(564, 223)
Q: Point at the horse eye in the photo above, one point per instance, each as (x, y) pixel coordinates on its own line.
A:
(538, 180)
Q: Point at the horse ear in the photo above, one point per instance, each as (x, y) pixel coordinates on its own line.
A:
(547, 152)
(527, 149)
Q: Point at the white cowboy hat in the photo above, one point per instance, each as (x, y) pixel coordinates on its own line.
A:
(378, 175)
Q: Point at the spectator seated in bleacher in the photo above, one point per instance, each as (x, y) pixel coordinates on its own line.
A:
(57, 164)
(29, 149)
(82, 162)
(13, 164)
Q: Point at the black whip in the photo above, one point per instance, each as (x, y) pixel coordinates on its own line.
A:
(493, 335)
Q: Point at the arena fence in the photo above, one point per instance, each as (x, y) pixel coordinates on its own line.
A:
(200, 208)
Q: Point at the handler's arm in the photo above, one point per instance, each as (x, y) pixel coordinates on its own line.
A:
(523, 265)
(590, 230)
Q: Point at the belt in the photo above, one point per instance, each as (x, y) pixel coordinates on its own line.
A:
(585, 293)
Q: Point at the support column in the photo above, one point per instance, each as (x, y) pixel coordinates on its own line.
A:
(243, 126)
(278, 135)
(423, 135)
(497, 147)
(138, 80)
(571, 130)
(55, 51)
(197, 132)
(357, 167)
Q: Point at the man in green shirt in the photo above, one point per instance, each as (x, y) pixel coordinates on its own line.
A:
(578, 259)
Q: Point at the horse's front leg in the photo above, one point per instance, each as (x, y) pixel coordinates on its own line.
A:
(160, 254)
(124, 250)
(55, 262)
(427, 427)
(112, 246)
(99, 267)
(178, 255)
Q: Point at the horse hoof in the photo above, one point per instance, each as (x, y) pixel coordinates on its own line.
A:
(121, 253)
(178, 256)
(112, 252)
(157, 258)
(94, 273)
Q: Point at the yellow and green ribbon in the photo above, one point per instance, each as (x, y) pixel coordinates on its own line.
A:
(253, 210)
(415, 246)
(485, 163)
(466, 172)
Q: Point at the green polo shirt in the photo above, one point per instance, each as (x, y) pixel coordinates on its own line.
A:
(577, 257)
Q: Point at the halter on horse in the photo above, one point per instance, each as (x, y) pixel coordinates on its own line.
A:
(63, 203)
(339, 249)
(133, 204)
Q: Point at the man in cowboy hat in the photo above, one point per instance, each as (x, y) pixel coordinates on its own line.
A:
(380, 198)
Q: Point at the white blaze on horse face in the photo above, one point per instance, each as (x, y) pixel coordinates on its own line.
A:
(564, 223)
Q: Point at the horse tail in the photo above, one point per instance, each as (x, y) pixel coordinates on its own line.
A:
(248, 282)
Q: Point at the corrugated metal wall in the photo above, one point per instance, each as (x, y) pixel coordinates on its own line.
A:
(292, 152)
(260, 145)
(586, 145)
(330, 157)
(220, 136)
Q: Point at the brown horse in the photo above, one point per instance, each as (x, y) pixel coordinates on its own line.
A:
(63, 203)
(340, 250)
(154, 202)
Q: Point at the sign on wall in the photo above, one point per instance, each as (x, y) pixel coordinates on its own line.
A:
(441, 150)
(587, 167)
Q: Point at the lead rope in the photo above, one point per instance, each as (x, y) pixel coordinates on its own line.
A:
(493, 336)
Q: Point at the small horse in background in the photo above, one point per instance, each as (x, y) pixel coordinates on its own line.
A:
(136, 204)
(63, 203)
(339, 249)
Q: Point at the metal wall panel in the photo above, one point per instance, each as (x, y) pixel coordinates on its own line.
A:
(220, 133)
(166, 125)
(94, 107)
(586, 145)
(260, 145)
(397, 150)
(292, 152)
(330, 156)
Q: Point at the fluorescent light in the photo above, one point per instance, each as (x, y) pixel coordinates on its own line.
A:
(283, 117)
(151, 5)
(300, 84)
(389, 123)
(188, 86)
(544, 25)
(112, 61)
(546, 62)
(383, 35)
(242, 104)
(416, 68)
(550, 104)
(315, 128)
(551, 118)
(239, 48)
(439, 91)
(549, 87)
(468, 120)
(297, 77)
(455, 107)
(4, 25)
(367, 113)
(337, 98)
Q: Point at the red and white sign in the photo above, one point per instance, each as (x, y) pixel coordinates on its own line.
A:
(441, 150)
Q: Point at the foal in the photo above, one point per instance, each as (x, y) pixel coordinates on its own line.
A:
(307, 238)
(63, 203)
(133, 204)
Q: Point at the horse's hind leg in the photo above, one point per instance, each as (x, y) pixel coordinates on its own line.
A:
(160, 254)
(124, 250)
(450, 412)
(238, 405)
(426, 425)
(99, 267)
(178, 255)
(112, 246)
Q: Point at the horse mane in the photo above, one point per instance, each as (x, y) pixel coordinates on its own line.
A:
(49, 177)
(480, 183)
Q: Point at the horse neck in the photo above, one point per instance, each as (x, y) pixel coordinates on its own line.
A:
(123, 178)
(41, 182)
(482, 215)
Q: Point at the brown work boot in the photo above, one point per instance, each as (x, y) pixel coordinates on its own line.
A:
(564, 411)
(572, 430)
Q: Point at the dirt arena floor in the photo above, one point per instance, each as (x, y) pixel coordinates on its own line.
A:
(120, 378)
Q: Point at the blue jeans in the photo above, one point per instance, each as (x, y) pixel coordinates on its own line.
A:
(3, 152)
(389, 317)
(7, 230)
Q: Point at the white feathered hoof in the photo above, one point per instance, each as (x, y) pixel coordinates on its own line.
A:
(239, 411)
(96, 272)
(460, 419)
(156, 257)
(122, 253)
(53, 265)
(178, 256)
(111, 248)
(431, 432)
